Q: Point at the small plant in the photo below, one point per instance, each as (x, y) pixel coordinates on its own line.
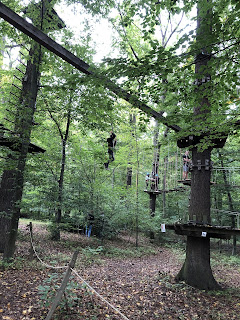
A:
(92, 251)
(71, 297)
(16, 264)
(129, 252)
(90, 255)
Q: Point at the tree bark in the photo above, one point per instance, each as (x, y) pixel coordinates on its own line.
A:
(23, 126)
(196, 270)
(6, 204)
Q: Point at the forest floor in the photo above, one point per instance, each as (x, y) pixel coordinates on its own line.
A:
(139, 283)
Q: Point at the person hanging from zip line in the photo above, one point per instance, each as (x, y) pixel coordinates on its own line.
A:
(186, 164)
(111, 141)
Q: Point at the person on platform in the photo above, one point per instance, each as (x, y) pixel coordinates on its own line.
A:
(147, 179)
(186, 164)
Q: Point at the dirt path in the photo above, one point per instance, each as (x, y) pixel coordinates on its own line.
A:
(141, 287)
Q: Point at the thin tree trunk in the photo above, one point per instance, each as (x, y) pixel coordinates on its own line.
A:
(58, 215)
(155, 167)
(132, 122)
(164, 185)
(137, 191)
(230, 205)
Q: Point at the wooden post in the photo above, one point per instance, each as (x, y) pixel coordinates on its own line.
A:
(63, 286)
(31, 251)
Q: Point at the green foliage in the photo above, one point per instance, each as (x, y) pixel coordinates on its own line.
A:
(226, 259)
(161, 70)
(48, 290)
(16, 264)
(128, 252)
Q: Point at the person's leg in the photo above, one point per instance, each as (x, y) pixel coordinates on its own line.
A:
(184, 171)
(111, 156)
(89, 231)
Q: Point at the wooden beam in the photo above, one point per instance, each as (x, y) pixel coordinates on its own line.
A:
(13, 141)
(40, 37)
(196, 230)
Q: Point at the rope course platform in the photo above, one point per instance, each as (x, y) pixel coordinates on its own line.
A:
(156, 191)
(180, 188)
(226, 177)
(226, 186)
(192, 140)
(194, 229)
(12, 141)
(235, 214)
(187, 182)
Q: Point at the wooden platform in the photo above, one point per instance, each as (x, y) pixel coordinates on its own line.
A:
(156, 191)
(187, 182)
(203, 230)
(193, 140)
(165, 191)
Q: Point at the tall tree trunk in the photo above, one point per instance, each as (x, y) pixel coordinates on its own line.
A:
(6, 204)
(23, 126)
(196, 270)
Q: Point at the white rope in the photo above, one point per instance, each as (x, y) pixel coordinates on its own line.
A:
(45, 264)
(88, 285)
(101, 297)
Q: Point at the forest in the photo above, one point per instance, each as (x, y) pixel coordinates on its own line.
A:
(119, 159)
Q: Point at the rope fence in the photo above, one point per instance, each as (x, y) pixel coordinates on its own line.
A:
(42, 262)
(100, 296)
(77, 275)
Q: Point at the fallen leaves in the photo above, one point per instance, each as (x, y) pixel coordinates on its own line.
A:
(141, 288)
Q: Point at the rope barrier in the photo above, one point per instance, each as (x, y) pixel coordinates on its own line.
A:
(101, 297)
(45, 264)
(82, 280)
